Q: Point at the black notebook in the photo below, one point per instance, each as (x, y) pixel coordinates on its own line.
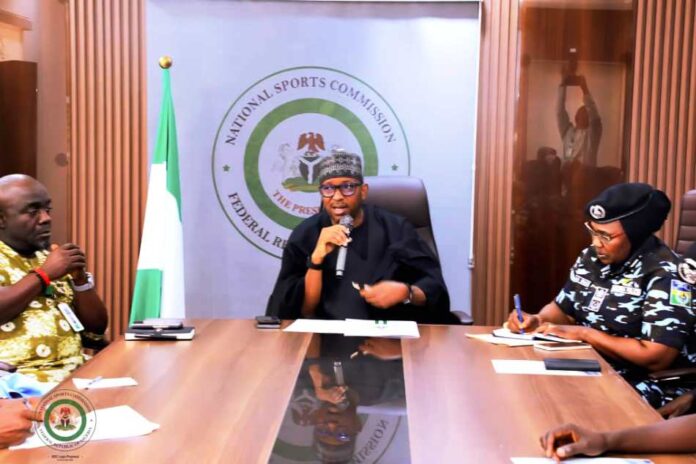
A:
(565, 364)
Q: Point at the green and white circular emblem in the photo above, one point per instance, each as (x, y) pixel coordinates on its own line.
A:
(272, 138)
(68, 419)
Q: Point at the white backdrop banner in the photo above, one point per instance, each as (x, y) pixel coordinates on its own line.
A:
(263, 90)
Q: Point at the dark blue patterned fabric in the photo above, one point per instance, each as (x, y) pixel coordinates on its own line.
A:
(643, 298)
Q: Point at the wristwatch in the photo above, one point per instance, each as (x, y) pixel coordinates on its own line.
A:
(89, 285)
(410, 295)
(311, 265)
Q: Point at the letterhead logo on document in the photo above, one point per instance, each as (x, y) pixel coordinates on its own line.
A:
(68, 420)
(270, 142)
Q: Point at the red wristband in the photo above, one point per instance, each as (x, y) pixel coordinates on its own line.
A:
(41, 273)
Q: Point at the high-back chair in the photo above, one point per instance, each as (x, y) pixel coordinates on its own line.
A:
(686, 234)
(407, 197)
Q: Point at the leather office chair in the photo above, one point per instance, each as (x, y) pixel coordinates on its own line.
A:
(407, 197)
(686, 234)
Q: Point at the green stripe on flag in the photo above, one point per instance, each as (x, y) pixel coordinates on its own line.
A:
(147, 296)
(166, 149)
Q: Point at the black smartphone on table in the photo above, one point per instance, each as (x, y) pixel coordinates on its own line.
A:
(267, 322)
(566, 364)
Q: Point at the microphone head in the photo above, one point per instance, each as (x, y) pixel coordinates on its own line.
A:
(346, 220)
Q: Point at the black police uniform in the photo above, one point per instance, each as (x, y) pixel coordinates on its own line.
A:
(642, 298)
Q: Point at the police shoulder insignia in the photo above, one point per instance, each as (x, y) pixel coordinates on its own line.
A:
(680, 294)
(687, 271)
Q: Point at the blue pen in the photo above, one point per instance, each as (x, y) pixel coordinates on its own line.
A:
(518, 308)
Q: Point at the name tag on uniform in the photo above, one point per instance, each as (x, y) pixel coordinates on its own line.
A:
(623, 290)
(598, 299)
(579, 280)
(70, 316)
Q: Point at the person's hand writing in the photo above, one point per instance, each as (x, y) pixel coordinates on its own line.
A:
(530, 322)
(385, 294)
(678, 407)
(329, 238)
(64, 259)
(570, 440)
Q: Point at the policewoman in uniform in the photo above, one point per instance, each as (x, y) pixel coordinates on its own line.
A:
(624, 295)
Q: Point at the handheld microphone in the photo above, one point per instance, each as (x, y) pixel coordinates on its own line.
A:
(347, 221)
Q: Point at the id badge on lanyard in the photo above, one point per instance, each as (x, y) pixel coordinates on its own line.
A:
(70, 316)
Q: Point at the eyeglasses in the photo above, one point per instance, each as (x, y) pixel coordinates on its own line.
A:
(347, 189)
(602, 236)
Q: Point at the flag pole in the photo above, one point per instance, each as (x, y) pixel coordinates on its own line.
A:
(159, 281)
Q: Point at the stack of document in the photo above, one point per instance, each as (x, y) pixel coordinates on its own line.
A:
(357, 328)
(504, 332)
(116, 422)
(504, 336)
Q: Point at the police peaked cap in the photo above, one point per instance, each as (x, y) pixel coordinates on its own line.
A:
(641, 209)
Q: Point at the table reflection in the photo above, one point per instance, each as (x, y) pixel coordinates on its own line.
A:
(348, 404)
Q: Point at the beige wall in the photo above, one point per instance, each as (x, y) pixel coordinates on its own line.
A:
(11, 42)
(52, 115)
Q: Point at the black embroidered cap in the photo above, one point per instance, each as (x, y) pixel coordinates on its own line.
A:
(641, 209)
(340, 164)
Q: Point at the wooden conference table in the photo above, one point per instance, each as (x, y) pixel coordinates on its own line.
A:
(221, 398)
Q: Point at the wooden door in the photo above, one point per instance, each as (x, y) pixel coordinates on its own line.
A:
(18, 111)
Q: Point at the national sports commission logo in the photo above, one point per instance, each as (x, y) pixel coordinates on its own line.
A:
(273, 136)
(68, 420)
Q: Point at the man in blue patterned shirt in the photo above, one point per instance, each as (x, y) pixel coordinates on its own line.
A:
(624, 295)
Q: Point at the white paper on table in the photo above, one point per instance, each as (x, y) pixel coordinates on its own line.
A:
(117, 422)
(490, 338)
(599, 460)
(369, 328)
(504, 332)
(525, 366)
(316, 326)
(104, 383)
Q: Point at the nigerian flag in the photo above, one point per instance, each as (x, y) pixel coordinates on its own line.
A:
(159, 282)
